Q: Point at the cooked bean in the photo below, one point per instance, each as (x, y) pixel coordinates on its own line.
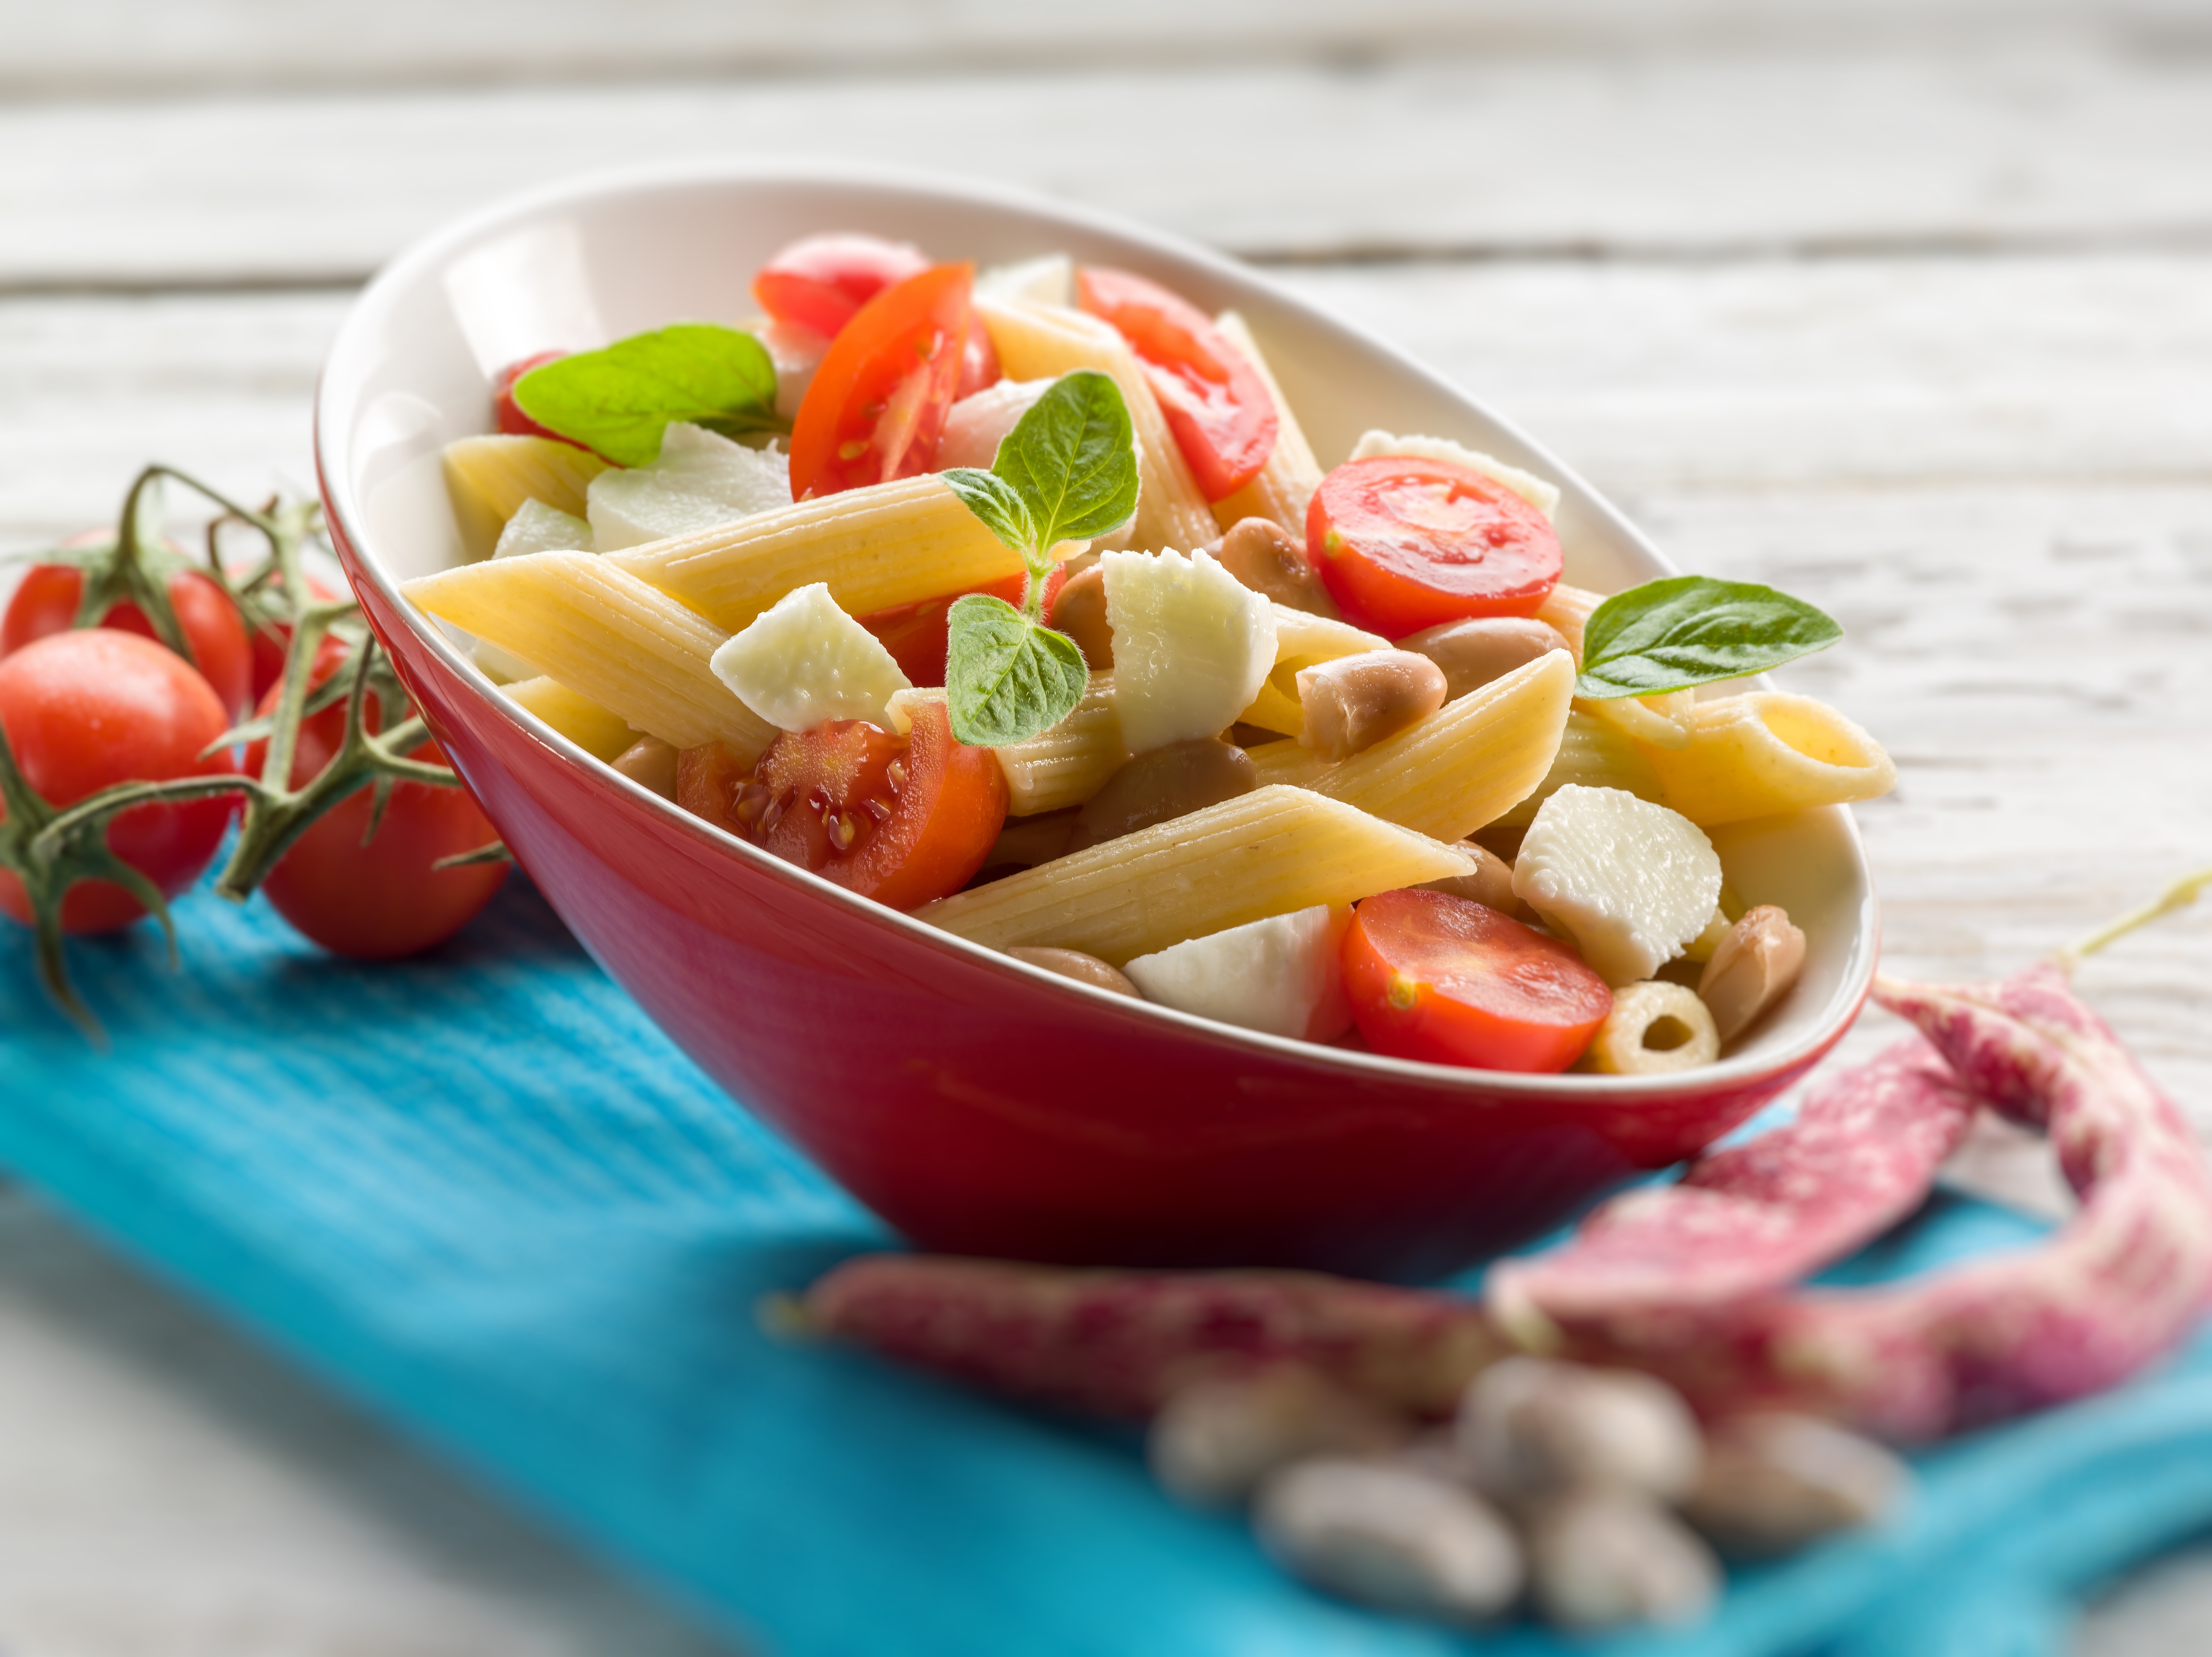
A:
(1751, 969)
(1026, 842)
(1391, 1537)
(1531, 1427)
(1215, 1440)
(1774, 1481)
(1654, 1027)
(1354, 702)
(1473, 653)
(1171, 781)
(1600, 1558)
(650, 763)
(1270, 560)
(1074, 963)
(1491, 885)
(1080, 611)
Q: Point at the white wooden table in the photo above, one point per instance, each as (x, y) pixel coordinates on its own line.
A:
(1907, 307)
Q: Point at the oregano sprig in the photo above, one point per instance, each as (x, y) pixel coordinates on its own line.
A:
(1688, 630)
(1066, 472)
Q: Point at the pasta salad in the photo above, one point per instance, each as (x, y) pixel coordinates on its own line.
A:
(1019, 600)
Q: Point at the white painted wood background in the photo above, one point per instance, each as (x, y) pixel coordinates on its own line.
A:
(1906, 307)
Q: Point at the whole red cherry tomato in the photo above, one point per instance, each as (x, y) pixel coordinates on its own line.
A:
(1442, 979)
(88, 707)
(900, 819)
(270, 643)
(47, 603)
(876, 406)
(918, 635)
(1403, 543)
(1219, 408)
(821, 282)
(384, 899)
(509, 418)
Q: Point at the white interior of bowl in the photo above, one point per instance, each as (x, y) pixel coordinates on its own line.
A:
(585, 263)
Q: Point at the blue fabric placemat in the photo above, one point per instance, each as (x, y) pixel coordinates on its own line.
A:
(481, 1193)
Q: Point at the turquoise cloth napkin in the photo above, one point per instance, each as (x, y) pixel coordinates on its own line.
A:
(481, 1194)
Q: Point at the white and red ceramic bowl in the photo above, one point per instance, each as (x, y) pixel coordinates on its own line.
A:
(976, 1104)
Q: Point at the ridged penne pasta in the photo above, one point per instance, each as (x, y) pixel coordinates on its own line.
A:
(598, 732)
(1040, 342)
(1265, 853)
(1302, 640)
(1068, 764)
(878, 547)
(607, 634)
(1568, 609)
(1766, 752)
(1289, 761)
(1285, 484)
(487, 480)
(1594, 755)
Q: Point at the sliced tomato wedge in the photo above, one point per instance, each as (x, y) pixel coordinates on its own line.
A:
(900, 819)
(1443, 978)
(918, 634)
(979, 363)
(822, 282)
(511, 420)
(876, 406)
(1217, 405)
(1404, 543)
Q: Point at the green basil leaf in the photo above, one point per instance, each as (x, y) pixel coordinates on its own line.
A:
(1071, 459)
(620, 400)
(997, 503)
(1005, 678)
(1691, 630)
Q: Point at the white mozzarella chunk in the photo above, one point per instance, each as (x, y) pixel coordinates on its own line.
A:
(1049, 280)
(1630, 882)
(700, 481)
(804, 661)
(537, 527)
(1544, 497)
(1191, 645)
(976, 426)
(797, 351)
(1283, 975)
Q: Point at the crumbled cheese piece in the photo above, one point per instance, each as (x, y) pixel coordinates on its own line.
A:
(1191, 645)
(1630, 882)
(804, 661)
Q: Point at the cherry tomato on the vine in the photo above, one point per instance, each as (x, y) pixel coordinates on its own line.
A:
(1443, 978)
(383, 899)
(88, 707)
(269, 644)
(876, 406)
(900, 819)
(821, 282)
(47, 603)
(1219, 408)
(918, 634)
(510, 419)
(1404, 543)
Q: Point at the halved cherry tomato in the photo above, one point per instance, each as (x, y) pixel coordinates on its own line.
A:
(47, 603)
(384, 899)
(1220, 409)
(876, 407)
(511, 420)
(917, 635)
(979, 363)
(821, 282)
(900, 819)
(88, 707)
(1442, 979)
(1404, 543)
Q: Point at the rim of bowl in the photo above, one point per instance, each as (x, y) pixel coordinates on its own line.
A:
(428, 253)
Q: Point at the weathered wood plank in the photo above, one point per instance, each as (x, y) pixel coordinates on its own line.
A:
(1432, 154)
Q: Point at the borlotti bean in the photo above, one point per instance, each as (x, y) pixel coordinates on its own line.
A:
(1270, 560)
(1074, 963)
(1391, 1537)
(1753, 966)
(1354, 702)
(1491, 885)
(1530, 1429)
(1080, 611)
(1215, 1440)
(1603, 1556)
(1774, 1481)
(1164, 782)
(1474, 652)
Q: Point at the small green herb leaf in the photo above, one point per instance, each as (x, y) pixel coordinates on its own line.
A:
(997, 504)
(1005, 678)
(620, 400)
(1070, 461)
(1691, 630)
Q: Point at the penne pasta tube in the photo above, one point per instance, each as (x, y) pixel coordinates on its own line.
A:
(1039, 342)
(1766, 752)
(599, 732)
(877, 548)
(1568, 609)
(1288, 761)
(1469, 762)
(1068, 764)
(1593, 754)
(1265, 853)
(606, 635)
(1286, 486)
(1302, 640)
(487, 480)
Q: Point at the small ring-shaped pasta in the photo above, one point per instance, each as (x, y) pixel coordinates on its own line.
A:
(1655, 1028)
